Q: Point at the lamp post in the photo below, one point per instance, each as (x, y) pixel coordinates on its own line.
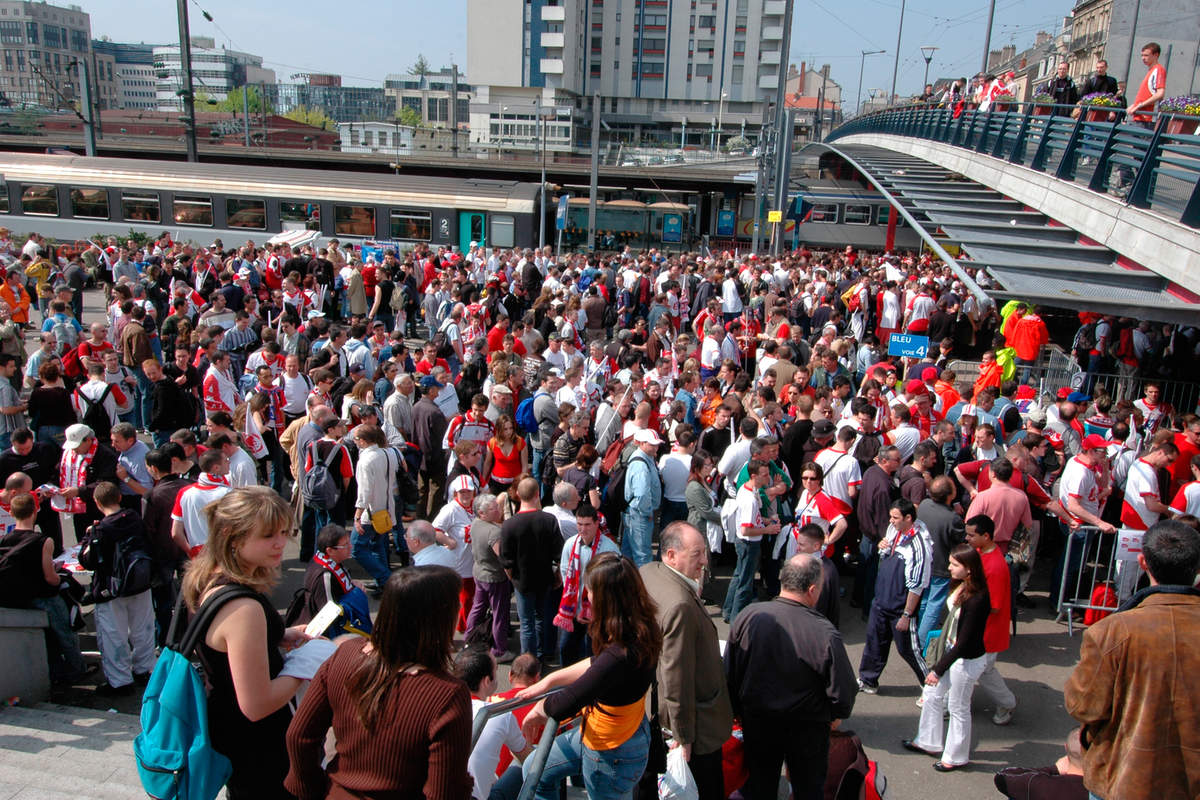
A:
(896, 63)
(716, 144)
(861, 64)
(927, 52)
(186, 92)
(542, 192)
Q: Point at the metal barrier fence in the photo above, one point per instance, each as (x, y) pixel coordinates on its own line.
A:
(1100, 571)
(1152, 165)
(537, 761)
(1184, 396)
(1056, 368)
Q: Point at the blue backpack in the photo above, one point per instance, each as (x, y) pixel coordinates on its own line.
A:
(174, 753)
(525, 418)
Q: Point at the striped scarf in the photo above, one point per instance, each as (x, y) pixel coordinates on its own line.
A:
(572, 574)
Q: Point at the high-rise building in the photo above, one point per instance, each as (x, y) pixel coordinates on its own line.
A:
(40, 45)
(430, 95)
(215, 70)
(133, 73)
(666, 71)
(340, 103)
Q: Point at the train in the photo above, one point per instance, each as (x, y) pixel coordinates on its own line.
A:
(68, 197)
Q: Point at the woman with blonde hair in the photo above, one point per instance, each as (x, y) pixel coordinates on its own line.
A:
(241, 649)
(363, 393)
(402, 722)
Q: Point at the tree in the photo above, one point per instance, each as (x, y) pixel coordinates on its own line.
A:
(311, 116)
(410, 117)
(254, 98)
(203, 101)
(420, 66)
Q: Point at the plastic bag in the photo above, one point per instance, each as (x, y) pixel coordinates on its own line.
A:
(677, 782)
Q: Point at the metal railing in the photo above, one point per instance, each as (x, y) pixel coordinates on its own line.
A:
(1183, 396)
(537, 762)
(1099, 573)
(1055, 368)
(1153, 165)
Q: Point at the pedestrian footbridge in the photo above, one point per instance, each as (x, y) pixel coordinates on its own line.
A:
(1085, 214)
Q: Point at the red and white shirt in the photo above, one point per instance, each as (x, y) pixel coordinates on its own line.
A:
(1187, 499)
(1079, 481)
(454, 520)
(841, 474)
(465, 427)
(749, 512)
(220, 391)
(191, 502)
(815, 509)
(1140, 484)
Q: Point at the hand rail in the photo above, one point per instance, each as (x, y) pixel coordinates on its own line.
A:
(495, 709)
(537, 762)
(1151, 165)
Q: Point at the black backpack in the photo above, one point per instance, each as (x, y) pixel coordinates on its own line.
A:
(130, 572)
(317, 486)
(95, 415)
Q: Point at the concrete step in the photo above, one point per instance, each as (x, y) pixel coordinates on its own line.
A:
(53, 752)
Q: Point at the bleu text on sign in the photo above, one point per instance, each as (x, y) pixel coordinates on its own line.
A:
(907, 345)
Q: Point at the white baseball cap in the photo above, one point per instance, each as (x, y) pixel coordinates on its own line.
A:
(647, 436)
(463, 483)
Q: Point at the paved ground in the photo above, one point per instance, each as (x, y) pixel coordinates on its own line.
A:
(1036, 667)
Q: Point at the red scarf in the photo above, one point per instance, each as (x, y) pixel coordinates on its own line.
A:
(336, 570)
(72, 472)
(571, 575)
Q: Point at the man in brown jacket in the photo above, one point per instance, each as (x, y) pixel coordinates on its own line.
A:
(693, 699)
(1134, 688)
(135, 348)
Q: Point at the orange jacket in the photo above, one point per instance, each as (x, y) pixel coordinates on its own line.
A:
(1027, 337)
(989, 375)
(18, 302)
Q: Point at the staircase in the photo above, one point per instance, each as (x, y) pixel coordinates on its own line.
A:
(53, 752)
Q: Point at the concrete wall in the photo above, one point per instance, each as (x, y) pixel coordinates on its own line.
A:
(1174, 24)
(24, 670)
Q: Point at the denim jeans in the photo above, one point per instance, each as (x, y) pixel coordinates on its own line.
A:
(370, 550)
(636, 537)
(66, 660)
(535, 461)
(1028, 368)
(607, 774)
(574, 645)
(5, 440)
(536, 611)
(933, 603)
(672, 510)
(54, 434)
(741, 586)
(145, 401)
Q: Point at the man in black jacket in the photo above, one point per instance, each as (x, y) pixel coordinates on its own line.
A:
(1064, 90)
(171, 406)
(789, 677)
(875, 496)
(38, 460)
(168, 465)
(1101, 81)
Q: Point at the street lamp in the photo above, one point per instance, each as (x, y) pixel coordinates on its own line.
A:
(896, 62)
(927, 52)
(861, 64)
(542, 192)
(716, 142)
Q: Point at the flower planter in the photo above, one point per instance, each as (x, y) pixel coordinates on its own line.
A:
(1186, 126)
(1001, 105)
(1042, 111)
(1098, 114)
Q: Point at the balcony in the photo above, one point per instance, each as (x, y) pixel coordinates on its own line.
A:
(768, 81)
(774, 8)
(552, 40)
(551, 66)
(769, 57)
(554, 14)
(773, 33)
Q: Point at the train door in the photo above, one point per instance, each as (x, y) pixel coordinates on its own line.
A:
(472, 227)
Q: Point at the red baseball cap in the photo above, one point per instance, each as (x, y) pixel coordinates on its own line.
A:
(1094, 441)
(929, 374)
(1064, 392)
(1025, 392)
(914, 387)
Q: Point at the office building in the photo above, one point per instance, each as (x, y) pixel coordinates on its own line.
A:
(340, 103)
(133, 73)
(40, 44)
(215, 70)
(430, 95)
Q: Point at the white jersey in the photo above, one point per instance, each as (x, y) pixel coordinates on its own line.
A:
(455, 521)
(1079, 481)
(841, 474)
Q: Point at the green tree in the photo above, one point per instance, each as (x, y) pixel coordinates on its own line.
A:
(410, 117)
(204, 101)
(420, 66)
(311, 116)
(254, 98)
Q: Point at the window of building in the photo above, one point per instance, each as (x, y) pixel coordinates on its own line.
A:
(707, 21)
(597, 42)
(50, 34)
(657, 19)
(652, 68)
(654, 44)
(412, 225)
(824, 212)
(31, 32)
(241, 213)
(857, 215)
(193, 210)
(595, 69)
(740, 24)
(739, 74)
(39, 198)
(137, 207)
(298, 211)
(704, 70)
(503, 230)
(743, 6)
(354, 220)
(89, 203)
(12, 33)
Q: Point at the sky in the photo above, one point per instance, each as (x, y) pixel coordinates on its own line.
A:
(367, 39)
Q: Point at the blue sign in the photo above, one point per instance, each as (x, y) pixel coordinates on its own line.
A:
(560, 218)
(726, 223)
(672, 228)
(907, 345)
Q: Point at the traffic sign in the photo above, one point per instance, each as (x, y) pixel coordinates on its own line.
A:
(774, 216)
(560, 218)
(907, 345)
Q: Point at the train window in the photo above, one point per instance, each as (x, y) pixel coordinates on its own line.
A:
(503, 230)
(295, 211)
(354, 220)
(137, 207)
(246, 213)
(3, 199)
(857, 215)
(824, 212)
(193, 210)
(416, 225)
(881, 216)
(89, 203)
(39, 198)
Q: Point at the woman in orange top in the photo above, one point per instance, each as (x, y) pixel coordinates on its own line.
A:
(611, 747)
(506, 456)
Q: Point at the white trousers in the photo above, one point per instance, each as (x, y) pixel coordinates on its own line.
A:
(957, 686)
(124, 624)
(991, 682)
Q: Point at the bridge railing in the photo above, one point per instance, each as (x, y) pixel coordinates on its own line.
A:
(1153, 165)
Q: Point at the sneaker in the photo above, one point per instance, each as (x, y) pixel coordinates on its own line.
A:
(867, 688)
(1003, 715)
(506, 658)
(921, 701)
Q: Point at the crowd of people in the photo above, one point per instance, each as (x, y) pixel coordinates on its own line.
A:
(577, 437)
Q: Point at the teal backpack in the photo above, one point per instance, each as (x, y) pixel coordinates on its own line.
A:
(174, 753)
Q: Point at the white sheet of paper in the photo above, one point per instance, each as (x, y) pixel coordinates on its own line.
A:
(305, 660)
(324, 618)
(1129, 544)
